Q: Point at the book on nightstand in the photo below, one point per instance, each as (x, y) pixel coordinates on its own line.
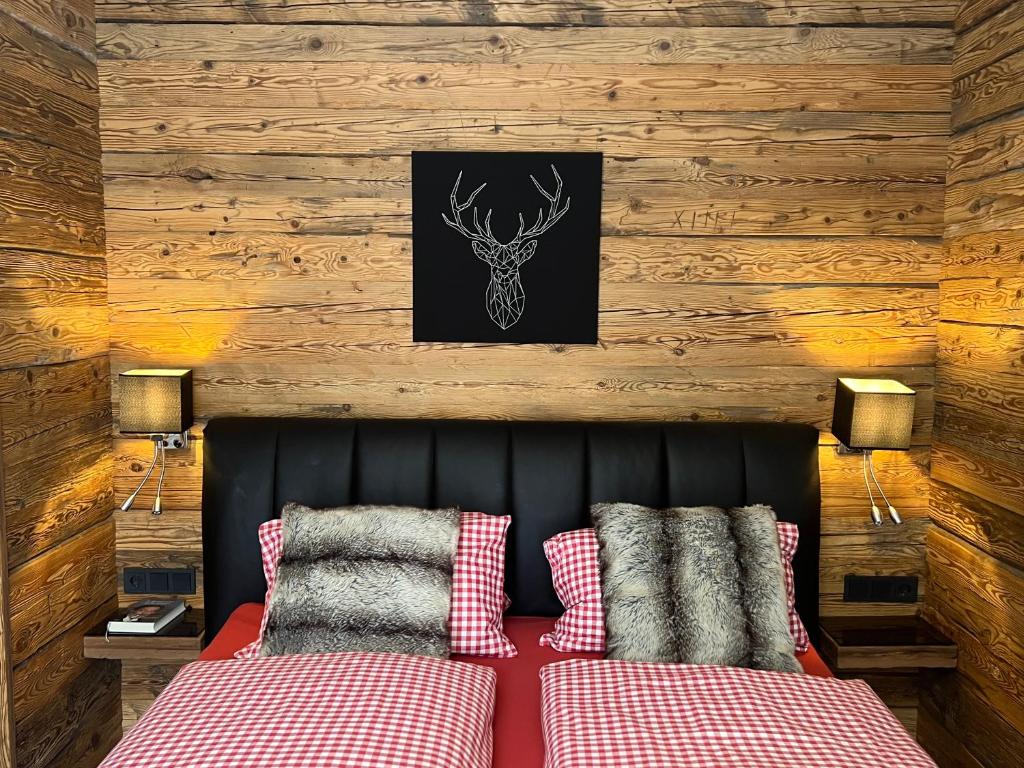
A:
(146, 617)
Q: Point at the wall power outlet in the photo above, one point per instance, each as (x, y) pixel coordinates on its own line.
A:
(879, 589)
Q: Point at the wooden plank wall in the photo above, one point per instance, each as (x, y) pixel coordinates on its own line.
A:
(55, 413)
(772, 217)
(976, 549)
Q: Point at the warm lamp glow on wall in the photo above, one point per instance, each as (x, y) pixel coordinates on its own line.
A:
(873, 415)
(156, 402)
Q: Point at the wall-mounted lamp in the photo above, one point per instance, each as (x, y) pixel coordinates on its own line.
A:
(873, 415)
(156, 402)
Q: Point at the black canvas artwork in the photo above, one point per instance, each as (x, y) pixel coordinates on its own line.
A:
(506, 246)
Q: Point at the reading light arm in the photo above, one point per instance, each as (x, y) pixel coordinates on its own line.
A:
(157, 506)
(161, 444)
(893, 514)
(876, 514)
(157, 443)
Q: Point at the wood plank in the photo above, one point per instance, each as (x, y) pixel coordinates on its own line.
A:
(685, 326)
(995, 38)
(94, 738)
(287, 258)
(888, 211)
(56, 447)
(986, 149)
(391, 175)
(887, 208)
(982, 608)
(58, 588)
(989, 348)
(349, 302)
(945, 748)
(38, 59)
(985, 205)
(973, 12)
(26, 161)
(156, 343)
(48, 673)
(525, 45)
(34, 401)
(599, 13)
(988, 397)
(54, 206)
(988, 254)
(959, 425)
(992, 91)
(998, 482)
(802, 394)
(141, 684)
(989, 527)
(7, 756)
(624, 134)
(574, 86)
(75, 726)
(960, 706)
(70, 22)
(995, 301)
(44, 115)
(52, 308)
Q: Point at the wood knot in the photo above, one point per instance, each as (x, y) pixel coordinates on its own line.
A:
(315, 43)
(196, 174)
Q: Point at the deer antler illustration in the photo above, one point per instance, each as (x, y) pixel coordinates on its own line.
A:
(505, 296)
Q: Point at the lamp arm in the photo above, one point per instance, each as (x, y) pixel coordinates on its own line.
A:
(876, 514)
(131, 499)
(157, 506)
(892, 510)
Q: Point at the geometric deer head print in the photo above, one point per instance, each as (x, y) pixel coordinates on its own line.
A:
(505, 296)
(530, 222)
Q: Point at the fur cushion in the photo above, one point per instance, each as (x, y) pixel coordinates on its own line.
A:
(365, 578)
(698, 585)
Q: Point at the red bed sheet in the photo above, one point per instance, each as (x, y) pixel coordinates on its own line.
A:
(518, 740)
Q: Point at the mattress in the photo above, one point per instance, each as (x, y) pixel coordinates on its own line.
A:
(518, 738)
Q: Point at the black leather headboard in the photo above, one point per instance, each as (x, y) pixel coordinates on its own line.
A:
(543, 474)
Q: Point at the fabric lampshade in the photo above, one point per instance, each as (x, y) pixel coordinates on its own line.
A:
(155, 401)
(873, 414)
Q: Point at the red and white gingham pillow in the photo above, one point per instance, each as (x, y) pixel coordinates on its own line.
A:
(478, 580)
(576, 574)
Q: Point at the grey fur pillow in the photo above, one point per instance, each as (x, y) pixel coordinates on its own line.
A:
(364, 578)
(699, 585)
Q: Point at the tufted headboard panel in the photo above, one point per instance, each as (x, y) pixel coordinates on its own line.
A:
(544, 474)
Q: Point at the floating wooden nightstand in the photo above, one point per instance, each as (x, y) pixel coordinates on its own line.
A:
(148, 662)
(884, 643)
(891, 653)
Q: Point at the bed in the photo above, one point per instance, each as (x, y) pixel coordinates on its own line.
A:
(544, 475)
(518, 737)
